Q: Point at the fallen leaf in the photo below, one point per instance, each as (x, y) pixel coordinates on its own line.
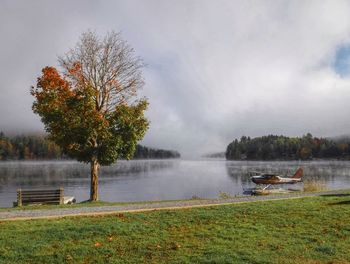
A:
(120, 215)
(176, 246)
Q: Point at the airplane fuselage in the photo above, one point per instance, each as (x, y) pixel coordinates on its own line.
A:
(262, 179)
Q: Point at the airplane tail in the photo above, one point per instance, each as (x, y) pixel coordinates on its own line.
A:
(298, 174)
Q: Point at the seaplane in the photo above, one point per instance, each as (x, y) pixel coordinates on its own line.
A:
(273, 179)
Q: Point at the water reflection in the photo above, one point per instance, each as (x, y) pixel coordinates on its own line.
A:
(157, 179)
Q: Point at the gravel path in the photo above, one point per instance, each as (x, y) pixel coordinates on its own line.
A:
(104, 210)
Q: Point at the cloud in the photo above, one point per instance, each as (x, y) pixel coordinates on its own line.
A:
(216, 70)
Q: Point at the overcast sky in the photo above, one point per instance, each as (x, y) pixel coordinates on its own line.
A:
(216, 70)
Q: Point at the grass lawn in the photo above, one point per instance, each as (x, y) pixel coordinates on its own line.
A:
(221, 196)
(82, 204)
(307, 230)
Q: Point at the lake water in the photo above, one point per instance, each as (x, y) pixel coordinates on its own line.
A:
(140, 180)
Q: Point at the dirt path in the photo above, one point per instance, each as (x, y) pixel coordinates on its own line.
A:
(142, 207)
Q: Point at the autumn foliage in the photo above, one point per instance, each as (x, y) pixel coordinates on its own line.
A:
(88, 109)
(74, 123)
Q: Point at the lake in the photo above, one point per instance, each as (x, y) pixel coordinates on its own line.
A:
(140, 180)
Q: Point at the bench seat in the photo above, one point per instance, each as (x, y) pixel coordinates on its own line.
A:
(48, 196)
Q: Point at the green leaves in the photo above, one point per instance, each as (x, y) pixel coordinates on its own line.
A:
(127, 125)
(82, 131)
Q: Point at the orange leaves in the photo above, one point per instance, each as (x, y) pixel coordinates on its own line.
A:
(75, 68)
(109, 238)
(80, 80)
(69, 257)
(97, 244)
(51, 90)
(75, 73)
(50, 73)
(121, 216)
(175, 246)
(51, 79)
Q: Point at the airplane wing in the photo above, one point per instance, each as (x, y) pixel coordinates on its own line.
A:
(269, 175)
(264, 174)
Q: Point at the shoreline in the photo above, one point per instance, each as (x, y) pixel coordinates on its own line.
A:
(13, 214)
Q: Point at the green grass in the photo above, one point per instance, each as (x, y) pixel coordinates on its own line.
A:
(105, 203)
(306, 230)
(82, 204)
(221, 195)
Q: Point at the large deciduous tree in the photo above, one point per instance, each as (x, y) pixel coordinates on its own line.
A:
(90, 108)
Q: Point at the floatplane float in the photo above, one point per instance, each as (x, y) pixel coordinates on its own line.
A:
(270, 179)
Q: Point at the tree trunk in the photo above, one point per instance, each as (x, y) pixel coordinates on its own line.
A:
(94, 180)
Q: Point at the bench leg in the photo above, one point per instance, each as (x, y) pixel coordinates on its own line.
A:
(19, 197)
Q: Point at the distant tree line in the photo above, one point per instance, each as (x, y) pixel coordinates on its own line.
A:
(39, 147)
(274, 147)
(143, 152)
(28, 148)
(214, 155)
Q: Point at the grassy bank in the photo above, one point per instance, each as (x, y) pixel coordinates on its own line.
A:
(89, 204)
(307, 230)
(77, 205)
(221, 196)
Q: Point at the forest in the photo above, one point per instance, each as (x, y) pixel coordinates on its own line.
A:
(143, 152)
(273, 147)
(39, 147)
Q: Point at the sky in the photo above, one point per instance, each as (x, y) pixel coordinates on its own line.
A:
(216, 70)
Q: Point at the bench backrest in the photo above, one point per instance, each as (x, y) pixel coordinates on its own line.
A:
(25, 197)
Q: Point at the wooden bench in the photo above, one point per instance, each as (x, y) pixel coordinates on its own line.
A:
(53, 196)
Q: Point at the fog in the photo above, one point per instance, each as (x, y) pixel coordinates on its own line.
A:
(216, 70)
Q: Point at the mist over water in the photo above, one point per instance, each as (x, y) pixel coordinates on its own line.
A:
(140, 180)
